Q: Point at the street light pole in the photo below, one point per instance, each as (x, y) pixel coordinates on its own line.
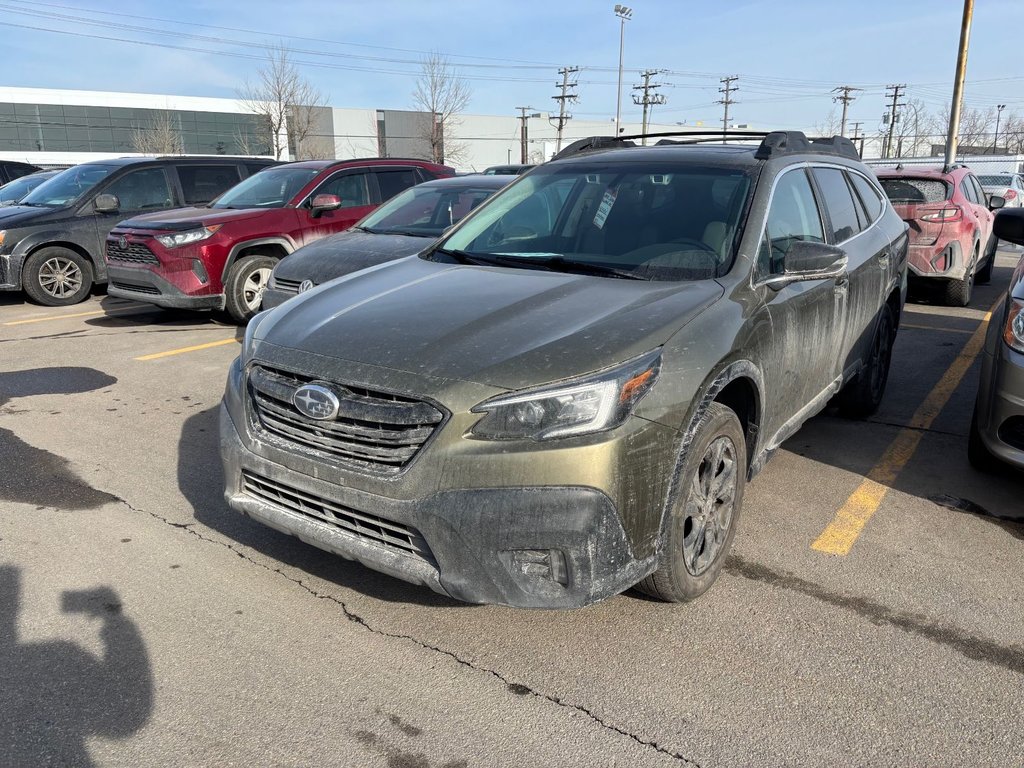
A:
(999, 113)
(953, 135)
(624, 13)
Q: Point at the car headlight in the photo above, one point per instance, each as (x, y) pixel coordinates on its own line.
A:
(593, 403)
(249, 340)
(188, 237)
(3, 234)
(1013, 331)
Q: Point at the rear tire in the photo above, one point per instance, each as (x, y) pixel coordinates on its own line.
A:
(984, 275)
(704, 515)
(958, 292)
(243, 289)
(862, 396)
(57, 277)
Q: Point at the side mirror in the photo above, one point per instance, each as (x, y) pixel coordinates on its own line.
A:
(808, 260)
(323, 203)
(995, 202)
(107, 204)
(1009, 225)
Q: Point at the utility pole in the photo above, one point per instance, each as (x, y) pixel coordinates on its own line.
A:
(726, 100)
(857, 136)
(524, 115)
(843, 94)
(565, 97)
(958, 83)
(649, 97)
(995, 141)
(894, 92)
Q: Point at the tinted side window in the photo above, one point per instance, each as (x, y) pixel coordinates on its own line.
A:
(202, 183)
(256, 167)
(838, 201)
(393, 182)
(350, 187)
(793, 216)
(968, 190)
(868, 195)
(978, 191)
(142, 190)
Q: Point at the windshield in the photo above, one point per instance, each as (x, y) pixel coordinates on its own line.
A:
(272, 188)
(425, 211)
(67, 186)
(17, 189)
(915, 190)
(648, 221)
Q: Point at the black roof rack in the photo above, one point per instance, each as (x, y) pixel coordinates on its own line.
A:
(773, 143)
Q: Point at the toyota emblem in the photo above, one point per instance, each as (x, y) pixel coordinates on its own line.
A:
(305, 285)
(316, 402)
(122, 243)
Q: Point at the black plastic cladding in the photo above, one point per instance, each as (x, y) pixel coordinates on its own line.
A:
(773, 144)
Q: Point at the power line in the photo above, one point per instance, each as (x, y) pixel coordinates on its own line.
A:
(565, 97)
(844, 95)
(726, 100)
(648, 98)
(893, 115)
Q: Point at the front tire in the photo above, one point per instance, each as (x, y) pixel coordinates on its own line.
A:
(862, 396)
(705, 512)
(243, 290)
(57, 277)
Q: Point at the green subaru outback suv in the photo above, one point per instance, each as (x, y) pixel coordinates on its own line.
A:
(565, 396)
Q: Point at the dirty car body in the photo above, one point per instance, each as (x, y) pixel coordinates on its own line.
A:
(521, 415)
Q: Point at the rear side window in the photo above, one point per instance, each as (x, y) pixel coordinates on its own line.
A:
(202, 183)
(256, 167)
(793, 216)
(968, 189)
(839, 202)
(915, 190)
(393, 182)
(978, 191)
(868, 195)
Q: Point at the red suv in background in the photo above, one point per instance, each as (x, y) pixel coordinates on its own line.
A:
(950, 219)
(220, 256)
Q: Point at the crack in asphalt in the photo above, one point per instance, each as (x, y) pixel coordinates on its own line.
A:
(515, 688)
(916, 429)
(84, 334)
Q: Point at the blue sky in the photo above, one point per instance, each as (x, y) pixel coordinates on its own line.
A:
(789, 54)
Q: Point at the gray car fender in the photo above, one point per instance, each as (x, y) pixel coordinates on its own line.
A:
(59, 238)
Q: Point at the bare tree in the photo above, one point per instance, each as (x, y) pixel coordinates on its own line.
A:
(976, 126)
(441, 92)
(829, 126)
(162, 136)
(912, 134)
(1011, 134)
(288, 103)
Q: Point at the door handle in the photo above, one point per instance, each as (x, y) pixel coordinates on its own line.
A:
(883, 259)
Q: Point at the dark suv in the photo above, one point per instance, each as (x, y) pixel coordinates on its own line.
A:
(566, 395)
(221, 256)
(51, 242)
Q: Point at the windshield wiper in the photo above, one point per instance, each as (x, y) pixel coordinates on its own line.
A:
(465, 258)
(562, 264)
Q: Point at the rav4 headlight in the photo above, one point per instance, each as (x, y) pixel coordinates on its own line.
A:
(593, 403)
(1013, 331)
(188, 237)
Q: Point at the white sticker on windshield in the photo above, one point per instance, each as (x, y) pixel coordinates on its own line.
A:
(605, 207)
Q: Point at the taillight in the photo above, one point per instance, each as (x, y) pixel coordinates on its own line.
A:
(1010, 194)
(946, 214)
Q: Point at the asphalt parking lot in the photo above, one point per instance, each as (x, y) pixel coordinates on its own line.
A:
(859, 621)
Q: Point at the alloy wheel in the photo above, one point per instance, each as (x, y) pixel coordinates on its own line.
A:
(60, 277)
(709, 508)
(254, 286)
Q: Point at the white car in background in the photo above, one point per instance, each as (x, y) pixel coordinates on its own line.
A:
(1009, 186)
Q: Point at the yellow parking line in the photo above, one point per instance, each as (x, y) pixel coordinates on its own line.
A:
(841, 534)
(936, 328)
(183, 350)
(44, 318)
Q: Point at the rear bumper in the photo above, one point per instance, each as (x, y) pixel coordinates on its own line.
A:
(944, 259)
(528, 547)
(143, 284)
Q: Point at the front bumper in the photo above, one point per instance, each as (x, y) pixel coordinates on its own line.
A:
(143, 284)
(275, 297)
(1000, 405)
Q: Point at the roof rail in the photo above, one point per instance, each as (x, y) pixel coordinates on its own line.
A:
(773, 143)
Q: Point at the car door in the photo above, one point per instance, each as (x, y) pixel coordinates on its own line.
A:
(138, 191)
(977, 212)
(986, 217)
(868, 257)
(806, 317)
(353, 187)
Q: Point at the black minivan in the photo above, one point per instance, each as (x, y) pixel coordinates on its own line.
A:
(52, 242)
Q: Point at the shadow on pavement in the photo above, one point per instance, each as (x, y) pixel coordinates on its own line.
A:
(54, 695)
(201, 481)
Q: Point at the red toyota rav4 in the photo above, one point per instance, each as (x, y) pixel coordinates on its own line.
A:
(950, 219)
(221, 256)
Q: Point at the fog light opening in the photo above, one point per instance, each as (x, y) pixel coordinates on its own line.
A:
(200, 271)
(542, 564)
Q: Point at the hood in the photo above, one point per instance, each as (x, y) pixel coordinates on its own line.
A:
(16, 215)
(181, 219)
(345, 253)
(501, 327)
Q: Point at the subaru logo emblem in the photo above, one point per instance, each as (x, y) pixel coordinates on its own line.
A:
(305, 285)
(316, 402)
(122, 243)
